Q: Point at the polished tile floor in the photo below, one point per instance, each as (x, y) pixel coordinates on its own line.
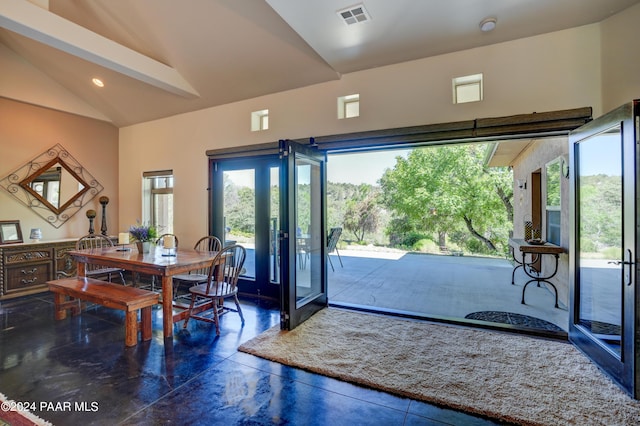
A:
(78, 371)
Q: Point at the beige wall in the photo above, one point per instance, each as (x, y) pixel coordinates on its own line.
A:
(620, 59)
(26, 131)
(549, 72)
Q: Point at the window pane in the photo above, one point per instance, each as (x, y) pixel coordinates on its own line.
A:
(468, 93)
(274, 247)
(352, 109)
(240, 213)
(163, 213)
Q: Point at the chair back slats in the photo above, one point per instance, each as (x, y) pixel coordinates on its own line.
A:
(93, 242)
(208, 243)
(225, 270)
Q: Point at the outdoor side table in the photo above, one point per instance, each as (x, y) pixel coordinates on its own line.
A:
(535, 251)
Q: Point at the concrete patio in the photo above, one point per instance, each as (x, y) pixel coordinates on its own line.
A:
(437, 285)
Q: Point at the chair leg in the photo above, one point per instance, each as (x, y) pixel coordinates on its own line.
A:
(216, 318)
(186, 320)
(330, 262)
(122, 278)
(238, 307)
(339, 258)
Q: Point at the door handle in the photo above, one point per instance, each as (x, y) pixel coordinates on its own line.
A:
(629, 263)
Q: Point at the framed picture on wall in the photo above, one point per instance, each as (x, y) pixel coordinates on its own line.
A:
(10, 232)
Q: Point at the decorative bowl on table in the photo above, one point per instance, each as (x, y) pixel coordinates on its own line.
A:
(536, 242)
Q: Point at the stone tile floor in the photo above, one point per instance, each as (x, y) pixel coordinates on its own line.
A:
(78, 371)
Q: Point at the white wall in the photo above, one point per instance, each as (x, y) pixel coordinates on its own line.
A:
(544, 73)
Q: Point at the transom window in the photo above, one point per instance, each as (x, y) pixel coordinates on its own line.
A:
(467, 89)
(260, 120)
(349, 106)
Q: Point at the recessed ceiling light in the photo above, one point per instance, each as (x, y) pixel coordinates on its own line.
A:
(97, 82)
(488, 24)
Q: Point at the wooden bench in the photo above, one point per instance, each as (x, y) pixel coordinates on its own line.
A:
(68, 293)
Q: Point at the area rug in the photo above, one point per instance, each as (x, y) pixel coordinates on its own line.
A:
(14, 413)
(507, 377)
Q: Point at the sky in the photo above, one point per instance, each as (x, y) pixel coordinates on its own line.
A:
(361, 167)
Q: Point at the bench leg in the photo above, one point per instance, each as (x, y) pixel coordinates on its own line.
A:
(131, 328)
(145, 316)
(58, 301)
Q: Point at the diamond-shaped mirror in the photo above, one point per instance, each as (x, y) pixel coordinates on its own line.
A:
(54, 185)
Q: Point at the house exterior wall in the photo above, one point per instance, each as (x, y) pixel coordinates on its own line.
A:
(531, 160)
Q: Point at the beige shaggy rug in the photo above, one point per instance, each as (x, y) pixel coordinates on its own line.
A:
(513, 378)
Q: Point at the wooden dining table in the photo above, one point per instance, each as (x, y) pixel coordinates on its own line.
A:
(156, 262)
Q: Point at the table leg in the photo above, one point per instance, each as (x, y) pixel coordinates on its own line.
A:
(167, 305)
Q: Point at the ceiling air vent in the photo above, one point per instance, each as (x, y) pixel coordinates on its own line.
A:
(354, 14)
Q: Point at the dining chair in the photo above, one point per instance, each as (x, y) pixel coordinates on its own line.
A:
(98, 241)
(222, 283)
(198, 276)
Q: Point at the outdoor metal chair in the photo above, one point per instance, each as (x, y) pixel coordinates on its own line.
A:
(222, 283)
(332, 245)
(98, 241)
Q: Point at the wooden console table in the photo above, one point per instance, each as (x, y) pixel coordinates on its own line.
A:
(535, 251)
(25, 268)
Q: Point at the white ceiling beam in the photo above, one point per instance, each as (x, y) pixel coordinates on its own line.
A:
(29, 20)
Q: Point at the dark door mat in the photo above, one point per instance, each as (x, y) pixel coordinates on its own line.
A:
(513, 319)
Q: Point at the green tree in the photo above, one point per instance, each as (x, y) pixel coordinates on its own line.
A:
(362, 212)
(448, 189)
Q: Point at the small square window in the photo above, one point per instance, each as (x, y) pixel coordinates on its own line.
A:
(467, 89)
(349, 106)
(260, 120)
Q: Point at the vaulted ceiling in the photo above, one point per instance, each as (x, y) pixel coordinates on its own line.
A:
(159, 58)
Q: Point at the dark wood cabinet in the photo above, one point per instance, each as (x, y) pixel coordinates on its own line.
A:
(25, 268)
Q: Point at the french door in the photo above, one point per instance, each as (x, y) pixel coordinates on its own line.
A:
(604, 241)
(245, 209)
(303, 235)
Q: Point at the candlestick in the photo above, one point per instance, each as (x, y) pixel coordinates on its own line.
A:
(91, 214)
(104, 201)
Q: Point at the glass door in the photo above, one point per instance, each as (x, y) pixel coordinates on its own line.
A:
(603, 263)
(245, 209)
(303, 236)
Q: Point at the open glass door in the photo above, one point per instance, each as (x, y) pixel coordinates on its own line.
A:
(604, 240)
(303, 236)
